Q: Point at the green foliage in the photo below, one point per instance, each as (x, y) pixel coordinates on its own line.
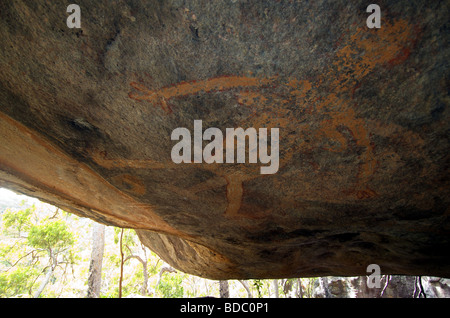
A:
(258, 284)
(50, 235)
(18, 220)
(170, 286)
(17, 281)
(35, 240)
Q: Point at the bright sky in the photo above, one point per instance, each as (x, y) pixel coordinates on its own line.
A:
(7, 195)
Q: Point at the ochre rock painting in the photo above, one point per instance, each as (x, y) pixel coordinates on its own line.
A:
(271, 100)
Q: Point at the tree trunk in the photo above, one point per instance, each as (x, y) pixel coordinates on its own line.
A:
(324, 284)
(144, 265)
(145, 272)
(95, 267)
(300, 289)
(144, 287)
(121, 264)
(247, 288)
(275, 288)
(224, 289)
(44, 283)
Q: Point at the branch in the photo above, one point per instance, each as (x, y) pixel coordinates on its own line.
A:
(14, 245)
(129, 249)
(157, 262)
(19, 260)
(54, 215)
(136, 257)
(166, 268)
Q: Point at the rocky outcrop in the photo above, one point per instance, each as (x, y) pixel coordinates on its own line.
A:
(86, 117)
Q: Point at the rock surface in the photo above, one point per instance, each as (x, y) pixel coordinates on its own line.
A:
(86, 117)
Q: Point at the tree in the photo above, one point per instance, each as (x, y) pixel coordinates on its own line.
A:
(95, 268)
(48, 239)
(122, 261)
(323, 281)
(224, 289)
(275, 288)
(171, 285)
(131, 248)
(247, 288)
(299, 288)
(288, 285)
(53, 238)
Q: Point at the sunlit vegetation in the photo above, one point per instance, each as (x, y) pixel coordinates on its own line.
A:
(46, 252)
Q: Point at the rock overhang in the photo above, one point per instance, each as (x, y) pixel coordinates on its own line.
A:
(87, 114)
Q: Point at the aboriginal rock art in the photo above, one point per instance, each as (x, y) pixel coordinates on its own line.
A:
(291, 104)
